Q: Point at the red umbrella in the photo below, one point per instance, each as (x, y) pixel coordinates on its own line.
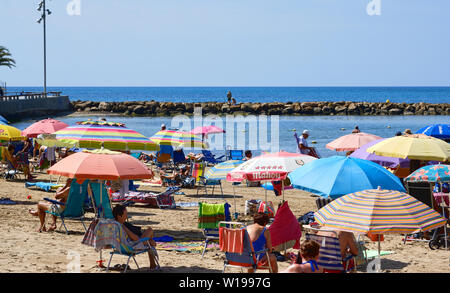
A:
(45, 126)
(101, 165)
(351, 142)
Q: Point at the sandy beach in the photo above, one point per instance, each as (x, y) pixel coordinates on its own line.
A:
(24, 250)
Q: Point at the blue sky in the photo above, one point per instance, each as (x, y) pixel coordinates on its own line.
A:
(229, 43)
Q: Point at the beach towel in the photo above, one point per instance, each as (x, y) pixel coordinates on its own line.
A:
(45, 186)
(7, 201)
(231, 240)
(266, 207)
(109, 233)
(89, 236)
(209, 215)
(285, 228)
(185, 246)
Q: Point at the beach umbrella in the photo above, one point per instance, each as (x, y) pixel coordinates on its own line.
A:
(220, 171)
(269, 167)
(9, 133)
(338, 175)
(178, 138)
(441, 131)
(413, 147)
(351, 142)
(101, 164)
(206, 130)
(430, 173)
(98, 134)
(378, 211)
(390, 162)
(45, 126)
(3, 120)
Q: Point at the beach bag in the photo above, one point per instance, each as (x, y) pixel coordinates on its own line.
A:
(251, 207)
(267, 207)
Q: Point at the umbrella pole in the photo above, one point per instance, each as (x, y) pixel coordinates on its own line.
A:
(379, 252)
(234, 197)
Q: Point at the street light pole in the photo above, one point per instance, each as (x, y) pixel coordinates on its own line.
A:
(45, 11)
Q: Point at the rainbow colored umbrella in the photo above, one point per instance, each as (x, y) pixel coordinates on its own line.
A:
(378, 211)
(220, 171)
(177, 138)
(431, 173)
(110, 135)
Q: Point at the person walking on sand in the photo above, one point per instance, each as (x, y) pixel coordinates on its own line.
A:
(61, 194)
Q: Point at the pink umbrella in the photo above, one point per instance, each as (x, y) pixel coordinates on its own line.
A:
(351, 142)
(205, 130)
(45, 126)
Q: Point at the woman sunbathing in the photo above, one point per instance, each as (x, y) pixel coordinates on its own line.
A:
(61, 195)
(19, 161)
(260, 237)
(307, 259)
(134, 233)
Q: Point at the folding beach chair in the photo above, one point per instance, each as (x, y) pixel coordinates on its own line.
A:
(179, 157)
(197, 171)
(209, 217)
(164, 155)
(74, 209)
(330, 258)
(235, 154)
(211, 183)
(101, 201)
(10, 172)
(110, 234)
(211, 158)
(238, 248)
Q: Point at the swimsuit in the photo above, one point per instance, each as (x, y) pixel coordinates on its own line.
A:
(313, 264)
(259, 244)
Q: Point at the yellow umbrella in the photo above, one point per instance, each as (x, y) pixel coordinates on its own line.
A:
(9, 133)
(413, 147)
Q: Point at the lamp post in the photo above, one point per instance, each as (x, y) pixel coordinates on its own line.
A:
(43, 18)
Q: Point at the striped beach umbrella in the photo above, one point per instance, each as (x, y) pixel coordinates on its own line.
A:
(441, 131)
(378, 211)
(110, 135)
(220, 171)
(177, 138)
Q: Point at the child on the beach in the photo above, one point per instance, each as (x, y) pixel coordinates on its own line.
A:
(307, 259)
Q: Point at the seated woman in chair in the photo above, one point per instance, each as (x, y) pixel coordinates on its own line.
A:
(61, 195)
(134, 233)
(260, 237)
(19, 161)
(307, 259)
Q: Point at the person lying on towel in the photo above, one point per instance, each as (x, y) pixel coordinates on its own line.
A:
(260, 237)
(134, 233)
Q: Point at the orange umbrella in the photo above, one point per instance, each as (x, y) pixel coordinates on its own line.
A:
(101, 165)
(351, 142)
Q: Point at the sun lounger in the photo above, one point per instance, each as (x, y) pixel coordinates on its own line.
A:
(160, 200)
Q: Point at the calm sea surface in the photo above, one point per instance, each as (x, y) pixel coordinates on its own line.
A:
(252, 94)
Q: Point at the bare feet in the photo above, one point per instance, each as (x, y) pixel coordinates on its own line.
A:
(34, 213)
(52, 228)
(41, 229)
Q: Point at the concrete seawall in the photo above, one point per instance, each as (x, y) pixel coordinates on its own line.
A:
(17, 108)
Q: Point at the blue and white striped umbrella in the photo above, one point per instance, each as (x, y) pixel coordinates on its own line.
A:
(441, 131)
(220, 171)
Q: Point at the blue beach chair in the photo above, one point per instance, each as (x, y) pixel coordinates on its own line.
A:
(211, 158)
(74, 206)
(236, 155)
(212, 183)
(102, 204)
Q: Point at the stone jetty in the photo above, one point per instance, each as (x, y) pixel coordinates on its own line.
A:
(155, 108)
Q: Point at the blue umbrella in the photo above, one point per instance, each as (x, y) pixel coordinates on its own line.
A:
(3, 120)
(441, 131)
(338, 175)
